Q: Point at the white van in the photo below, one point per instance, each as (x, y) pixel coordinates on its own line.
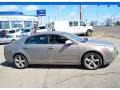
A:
(76, 27)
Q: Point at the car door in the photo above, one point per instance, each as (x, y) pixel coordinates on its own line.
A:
(36, 48)
(61, 53)
(82, 27)
(71, 28)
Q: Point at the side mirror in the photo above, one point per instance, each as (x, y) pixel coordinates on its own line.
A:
(68, 42)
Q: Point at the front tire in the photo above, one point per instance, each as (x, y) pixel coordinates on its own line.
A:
(20, 61)
(13, 41)
(89, 33)
(92, 61)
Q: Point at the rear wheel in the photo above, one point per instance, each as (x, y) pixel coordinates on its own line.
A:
(89, 32)
(20, 61)
(92, 61)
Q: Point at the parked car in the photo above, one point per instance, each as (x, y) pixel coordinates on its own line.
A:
(41, 28)
(72, 26)
(3, 33)
(60, 48)
(7, 39)
(26, 31)
(15, 32)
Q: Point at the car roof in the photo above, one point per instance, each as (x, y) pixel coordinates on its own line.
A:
(48, 32)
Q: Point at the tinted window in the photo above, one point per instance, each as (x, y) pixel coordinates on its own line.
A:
(73, 23)
(42, 27)
(12, 31)
(38, 39)
(70, 23)
(26, 30)
(57, 39)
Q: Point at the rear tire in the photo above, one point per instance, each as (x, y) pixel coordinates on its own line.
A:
(92, 61)
(20, 61)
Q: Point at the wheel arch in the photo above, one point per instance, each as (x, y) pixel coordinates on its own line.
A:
(20, 54)
(89, 30)
(92, 52)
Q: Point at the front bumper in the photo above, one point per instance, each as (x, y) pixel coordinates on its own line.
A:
(110, 56)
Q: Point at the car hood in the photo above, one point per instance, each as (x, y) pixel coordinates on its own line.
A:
(99, 42)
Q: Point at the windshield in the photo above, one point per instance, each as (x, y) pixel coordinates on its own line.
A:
(75, 37)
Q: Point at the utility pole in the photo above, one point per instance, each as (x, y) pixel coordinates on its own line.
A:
(98, 15)
(81, 13)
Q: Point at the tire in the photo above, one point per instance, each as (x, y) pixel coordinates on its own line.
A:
(20, 61)
(92, 61)
(89, 32)
(13, 41)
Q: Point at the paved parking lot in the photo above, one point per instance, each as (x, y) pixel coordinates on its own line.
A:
(60, 76)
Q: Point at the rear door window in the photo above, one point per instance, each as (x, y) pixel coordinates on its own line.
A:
(38, 39)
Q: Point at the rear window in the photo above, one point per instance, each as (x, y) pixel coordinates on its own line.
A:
(26, 30)
(12, 31)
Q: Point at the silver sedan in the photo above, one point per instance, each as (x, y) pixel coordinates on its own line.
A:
(60, 48)
(8, 39)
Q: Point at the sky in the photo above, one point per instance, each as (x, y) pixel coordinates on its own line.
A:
(67, 12)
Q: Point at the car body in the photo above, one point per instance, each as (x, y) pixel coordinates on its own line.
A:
(15, 32)
(7, 39)
(60, 48)
(26, 31)
(72, 26)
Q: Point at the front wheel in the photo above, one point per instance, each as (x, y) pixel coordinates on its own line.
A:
(89, 32)
(13, 41)
(20, 61)
(92, 61)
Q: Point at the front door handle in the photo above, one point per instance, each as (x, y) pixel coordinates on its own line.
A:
(51, 47)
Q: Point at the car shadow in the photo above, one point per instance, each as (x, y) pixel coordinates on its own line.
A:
(7, 64)
(46, 66)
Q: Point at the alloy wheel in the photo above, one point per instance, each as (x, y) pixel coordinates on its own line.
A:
(20, 61)
(92, 61)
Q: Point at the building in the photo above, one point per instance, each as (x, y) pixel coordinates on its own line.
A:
(11, 20)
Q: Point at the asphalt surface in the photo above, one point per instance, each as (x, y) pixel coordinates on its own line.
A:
(61, 76)
(109, 31)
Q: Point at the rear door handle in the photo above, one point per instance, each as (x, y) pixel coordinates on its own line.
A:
(51, 47)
